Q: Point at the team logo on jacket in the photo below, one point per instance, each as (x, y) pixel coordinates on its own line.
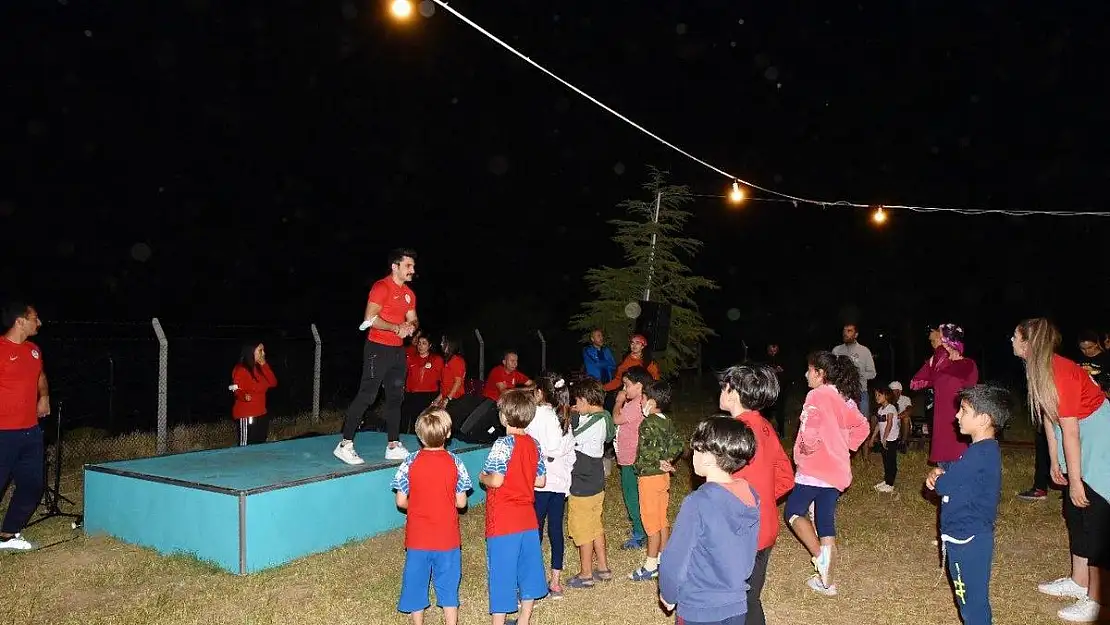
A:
(408, 298)
(35, 354)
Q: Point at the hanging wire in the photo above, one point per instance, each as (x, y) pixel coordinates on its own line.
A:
(780, 196)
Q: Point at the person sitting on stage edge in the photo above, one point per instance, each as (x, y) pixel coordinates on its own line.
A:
(250, 379)
(506, 376)
(390, 318)
(432, 486)
(24, 399)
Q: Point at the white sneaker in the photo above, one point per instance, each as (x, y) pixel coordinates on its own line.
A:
(816, 586)
(879, 485)
(885, 488)
(396, 453)
(1063, 587)
(345, 451)
(1082, 611)
(821, 565)
(16, 543)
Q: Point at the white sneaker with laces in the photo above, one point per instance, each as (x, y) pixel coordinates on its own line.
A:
(1084, 610)
(16, 543)
(345, 451)
(879, 485)
(396, 453)
(1063, 587)
(885, 488)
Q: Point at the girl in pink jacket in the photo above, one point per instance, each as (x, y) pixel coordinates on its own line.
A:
(832, 427)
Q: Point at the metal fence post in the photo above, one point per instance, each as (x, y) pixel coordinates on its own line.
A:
(316, 374)
(163, 376)
(481, 355)
(543, 351)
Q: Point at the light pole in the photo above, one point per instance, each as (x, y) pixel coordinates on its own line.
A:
(651, 256)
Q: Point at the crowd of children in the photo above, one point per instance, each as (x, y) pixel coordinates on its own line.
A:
(712, 565)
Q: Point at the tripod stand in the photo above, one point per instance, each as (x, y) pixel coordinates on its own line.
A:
(51, 494)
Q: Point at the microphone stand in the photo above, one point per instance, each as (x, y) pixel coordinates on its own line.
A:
(51, 494)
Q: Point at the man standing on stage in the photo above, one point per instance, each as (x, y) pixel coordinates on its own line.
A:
(24, 399)
(390, 317)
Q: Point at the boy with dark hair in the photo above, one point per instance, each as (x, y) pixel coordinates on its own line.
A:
(969, 490)
(591, 425)
(514, 467)
(745, 391)
(712, 550)
(659, 445)
(432, 484)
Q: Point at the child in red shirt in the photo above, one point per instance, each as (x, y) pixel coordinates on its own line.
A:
(745, 390)
(513, 469)
(432, 485)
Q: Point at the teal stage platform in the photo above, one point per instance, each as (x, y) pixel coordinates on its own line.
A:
(247, 509)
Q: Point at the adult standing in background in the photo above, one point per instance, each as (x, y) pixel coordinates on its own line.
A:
(597, 358)
(250, 379)
(425, 370)
(863, 360)
(390, 318)
(24, 399)
(947, 372)
(777, 411)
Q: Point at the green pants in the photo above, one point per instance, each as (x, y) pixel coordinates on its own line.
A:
(631, 491)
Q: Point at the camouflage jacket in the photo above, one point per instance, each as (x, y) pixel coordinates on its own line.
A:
(659, 440)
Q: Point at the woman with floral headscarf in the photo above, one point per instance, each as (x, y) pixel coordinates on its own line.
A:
(946, 372)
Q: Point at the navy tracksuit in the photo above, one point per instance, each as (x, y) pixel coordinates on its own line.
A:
(970, 490)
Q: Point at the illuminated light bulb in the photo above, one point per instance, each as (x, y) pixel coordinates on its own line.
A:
(737, 194)
(401, 9)
(879, 216)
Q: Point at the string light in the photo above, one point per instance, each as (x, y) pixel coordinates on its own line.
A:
(737, 194)
(401, 9)
(737, 181)
(879, 216)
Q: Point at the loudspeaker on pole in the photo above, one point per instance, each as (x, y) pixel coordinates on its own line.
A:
(654, 323)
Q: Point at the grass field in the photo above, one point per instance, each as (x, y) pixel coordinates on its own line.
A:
(889, 572)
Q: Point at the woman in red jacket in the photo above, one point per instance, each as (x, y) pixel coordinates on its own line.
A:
(250, 379)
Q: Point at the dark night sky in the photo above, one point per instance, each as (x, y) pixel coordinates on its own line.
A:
(269, 153)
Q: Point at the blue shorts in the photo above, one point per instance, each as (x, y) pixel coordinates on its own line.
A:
(442, 568)
(514, 562)
(824, 507)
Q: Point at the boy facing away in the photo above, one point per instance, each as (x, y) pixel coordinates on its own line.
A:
(432, 484)
(969, 493)
(514, 467)
(745, 391)
(706, 565)
(659, 445)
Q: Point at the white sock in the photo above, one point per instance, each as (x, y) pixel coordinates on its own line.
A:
(651, 564)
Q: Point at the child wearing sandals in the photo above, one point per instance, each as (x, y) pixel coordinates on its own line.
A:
(592, 429)
(831, 428)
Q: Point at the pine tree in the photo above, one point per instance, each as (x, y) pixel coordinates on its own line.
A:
(618, 290)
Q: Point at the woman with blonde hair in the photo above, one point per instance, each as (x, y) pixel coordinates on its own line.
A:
(1075, 415)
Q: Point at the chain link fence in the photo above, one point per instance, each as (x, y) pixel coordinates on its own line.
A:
(125, 390)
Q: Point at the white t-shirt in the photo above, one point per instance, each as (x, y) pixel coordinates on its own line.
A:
(903, 403)
(556, 447)
(889, 412)
(591, 441)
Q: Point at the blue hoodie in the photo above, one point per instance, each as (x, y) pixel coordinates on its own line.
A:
(705, 566)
